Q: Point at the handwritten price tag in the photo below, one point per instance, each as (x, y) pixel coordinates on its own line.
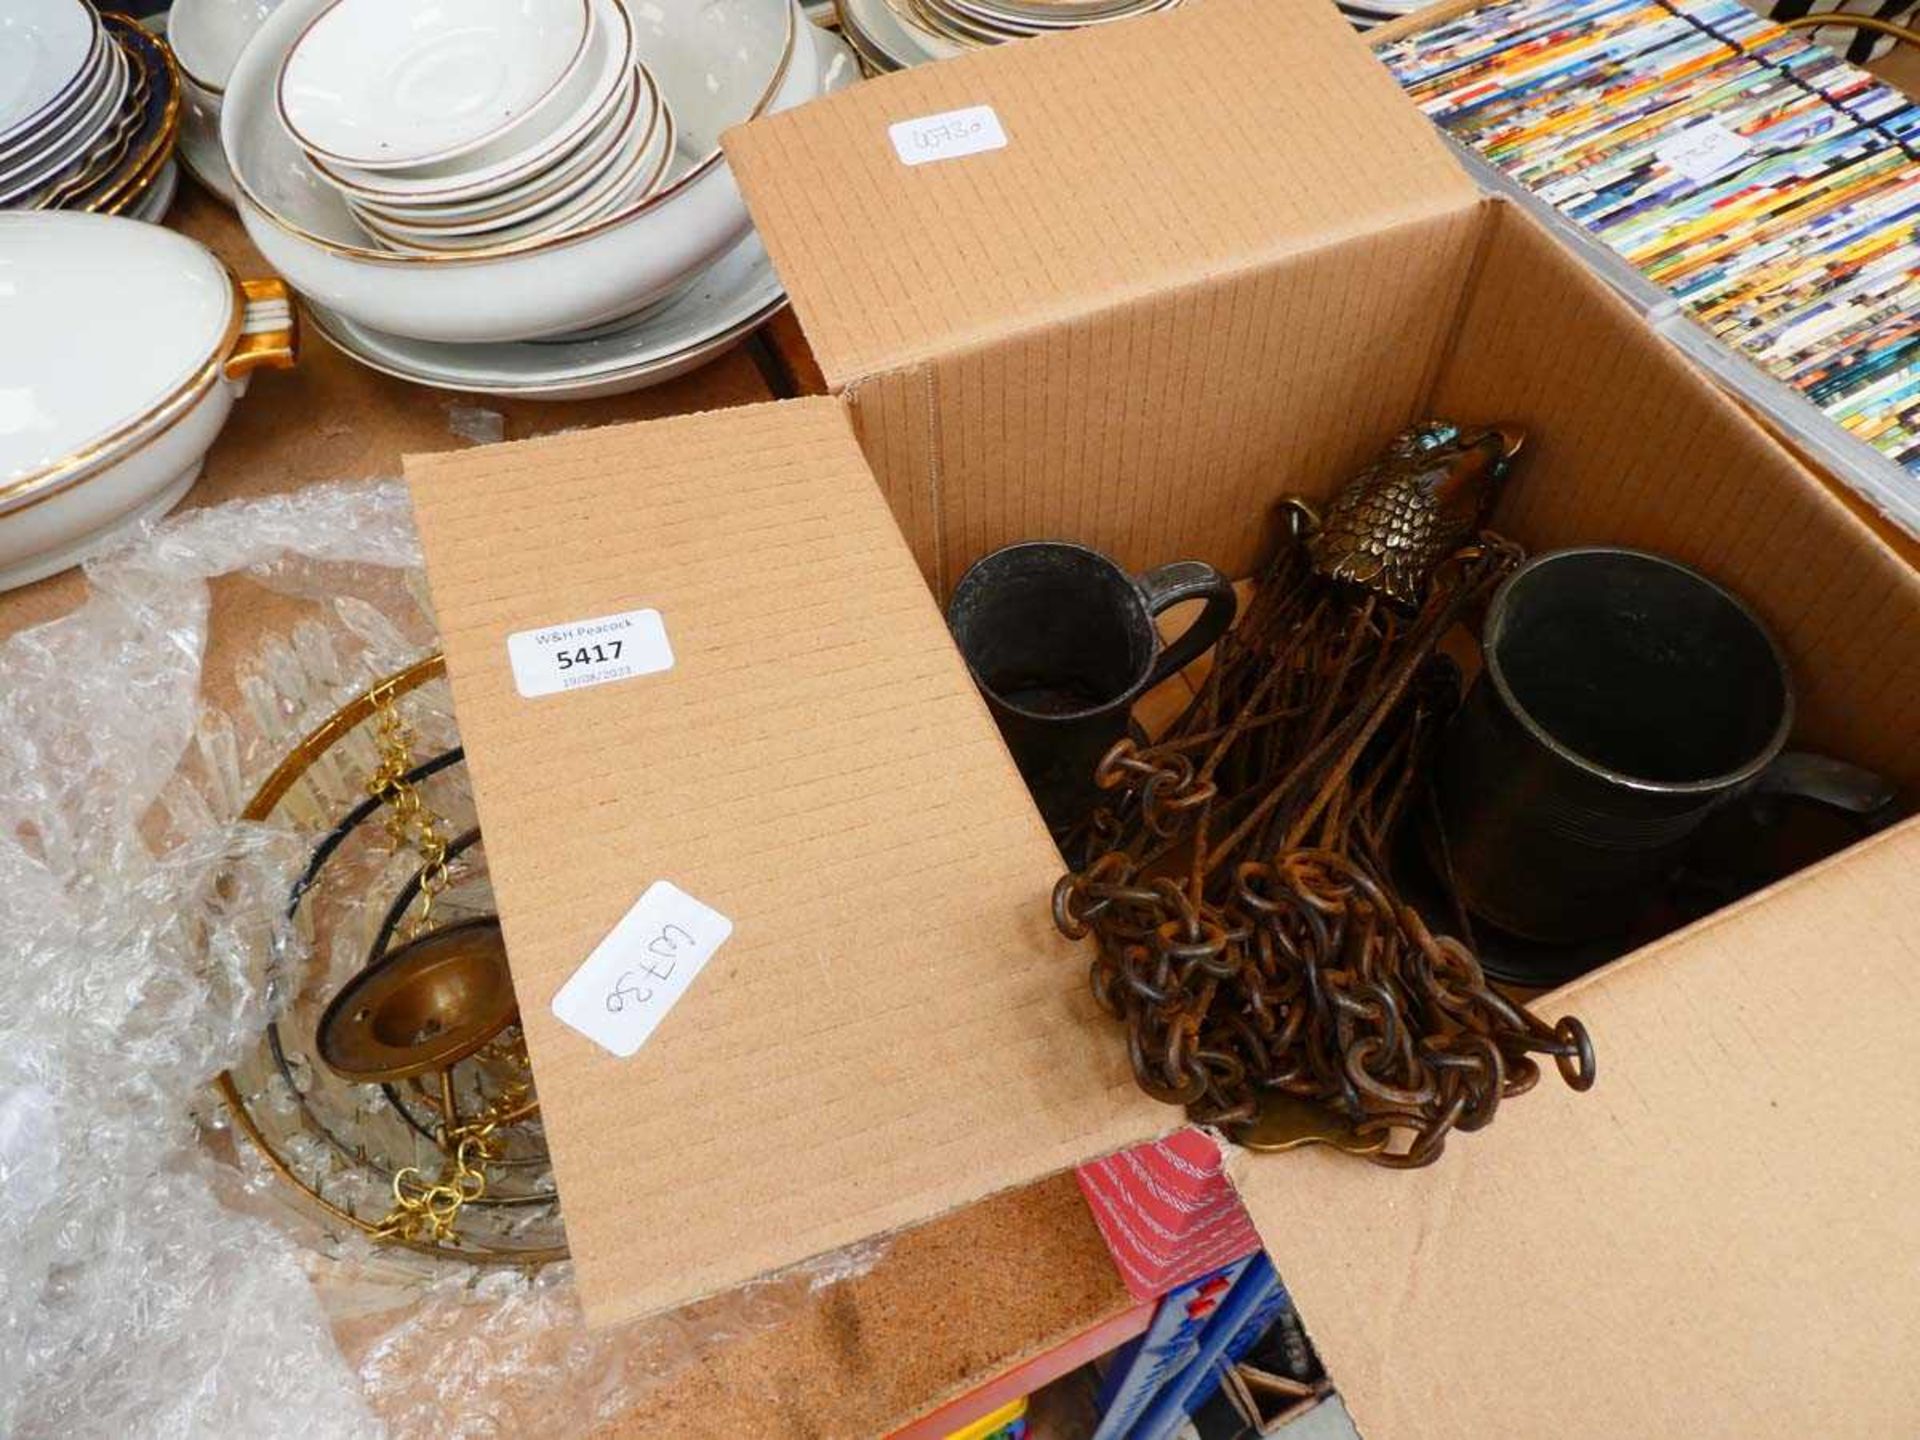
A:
(588, 652)
(948, 135)
(618, 998)
(1702, 151)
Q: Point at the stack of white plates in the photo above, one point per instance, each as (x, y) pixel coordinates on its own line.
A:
(516, 197)
(458, 128)
(895, 34)
(89, 109)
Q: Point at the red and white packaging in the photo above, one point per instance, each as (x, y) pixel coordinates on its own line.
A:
(1167, 1211)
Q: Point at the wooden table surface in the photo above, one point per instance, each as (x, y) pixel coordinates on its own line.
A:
(949, 1305)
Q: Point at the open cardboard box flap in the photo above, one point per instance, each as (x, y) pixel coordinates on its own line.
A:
(1139, 157)
(893, 1028)
(1077, 334)
(1716, 1240)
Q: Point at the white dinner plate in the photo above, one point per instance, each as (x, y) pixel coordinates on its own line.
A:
(87, 172)
(52, 122)
(109, 90)
(732, 296)
(396, 83)
(45, 50)
(57, 126)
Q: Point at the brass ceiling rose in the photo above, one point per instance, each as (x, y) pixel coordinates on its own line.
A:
(422, 1007)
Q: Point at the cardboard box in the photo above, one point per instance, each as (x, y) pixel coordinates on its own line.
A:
(1219, 260)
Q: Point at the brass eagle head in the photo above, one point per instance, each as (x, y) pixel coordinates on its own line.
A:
(1428, 495)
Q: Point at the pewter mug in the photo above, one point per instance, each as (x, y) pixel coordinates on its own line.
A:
(1622, 699)
(1061, 642)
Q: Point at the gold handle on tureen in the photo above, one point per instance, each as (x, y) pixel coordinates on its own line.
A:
(269, 330)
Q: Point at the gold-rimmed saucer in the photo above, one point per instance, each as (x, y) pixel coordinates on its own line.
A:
(103, 158)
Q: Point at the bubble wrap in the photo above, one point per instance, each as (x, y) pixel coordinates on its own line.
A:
(131, 1301)
(151, 1285)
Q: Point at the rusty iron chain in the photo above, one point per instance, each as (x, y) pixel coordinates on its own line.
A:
(1249, 932)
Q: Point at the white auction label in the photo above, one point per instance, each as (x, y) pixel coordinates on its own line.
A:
(1703, 151)
(948, 135)
(618, 998)
(588, 652)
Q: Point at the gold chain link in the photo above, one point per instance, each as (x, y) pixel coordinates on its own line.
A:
(429, 1210)
(410, 822)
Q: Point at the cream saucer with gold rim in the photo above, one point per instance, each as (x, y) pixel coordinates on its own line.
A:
(393, 84)
(637, 170)
(604, 81)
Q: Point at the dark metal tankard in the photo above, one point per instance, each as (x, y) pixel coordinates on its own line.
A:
(1623, 699)
(1061, 642)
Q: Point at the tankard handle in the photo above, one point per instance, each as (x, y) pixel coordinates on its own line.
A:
(1834, 784)
(1166, 586)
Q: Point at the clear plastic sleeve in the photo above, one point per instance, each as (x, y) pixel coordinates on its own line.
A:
(153, 1279)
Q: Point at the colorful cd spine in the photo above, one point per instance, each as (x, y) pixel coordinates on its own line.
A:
(1769, 186)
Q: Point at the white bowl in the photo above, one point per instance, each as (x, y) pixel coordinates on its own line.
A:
(730, 60)
(126, 347)
(839, 63)
(715, 308)
(207, 37)
(599, 84)
(727, 299)
(711, 59)
(390, 84)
